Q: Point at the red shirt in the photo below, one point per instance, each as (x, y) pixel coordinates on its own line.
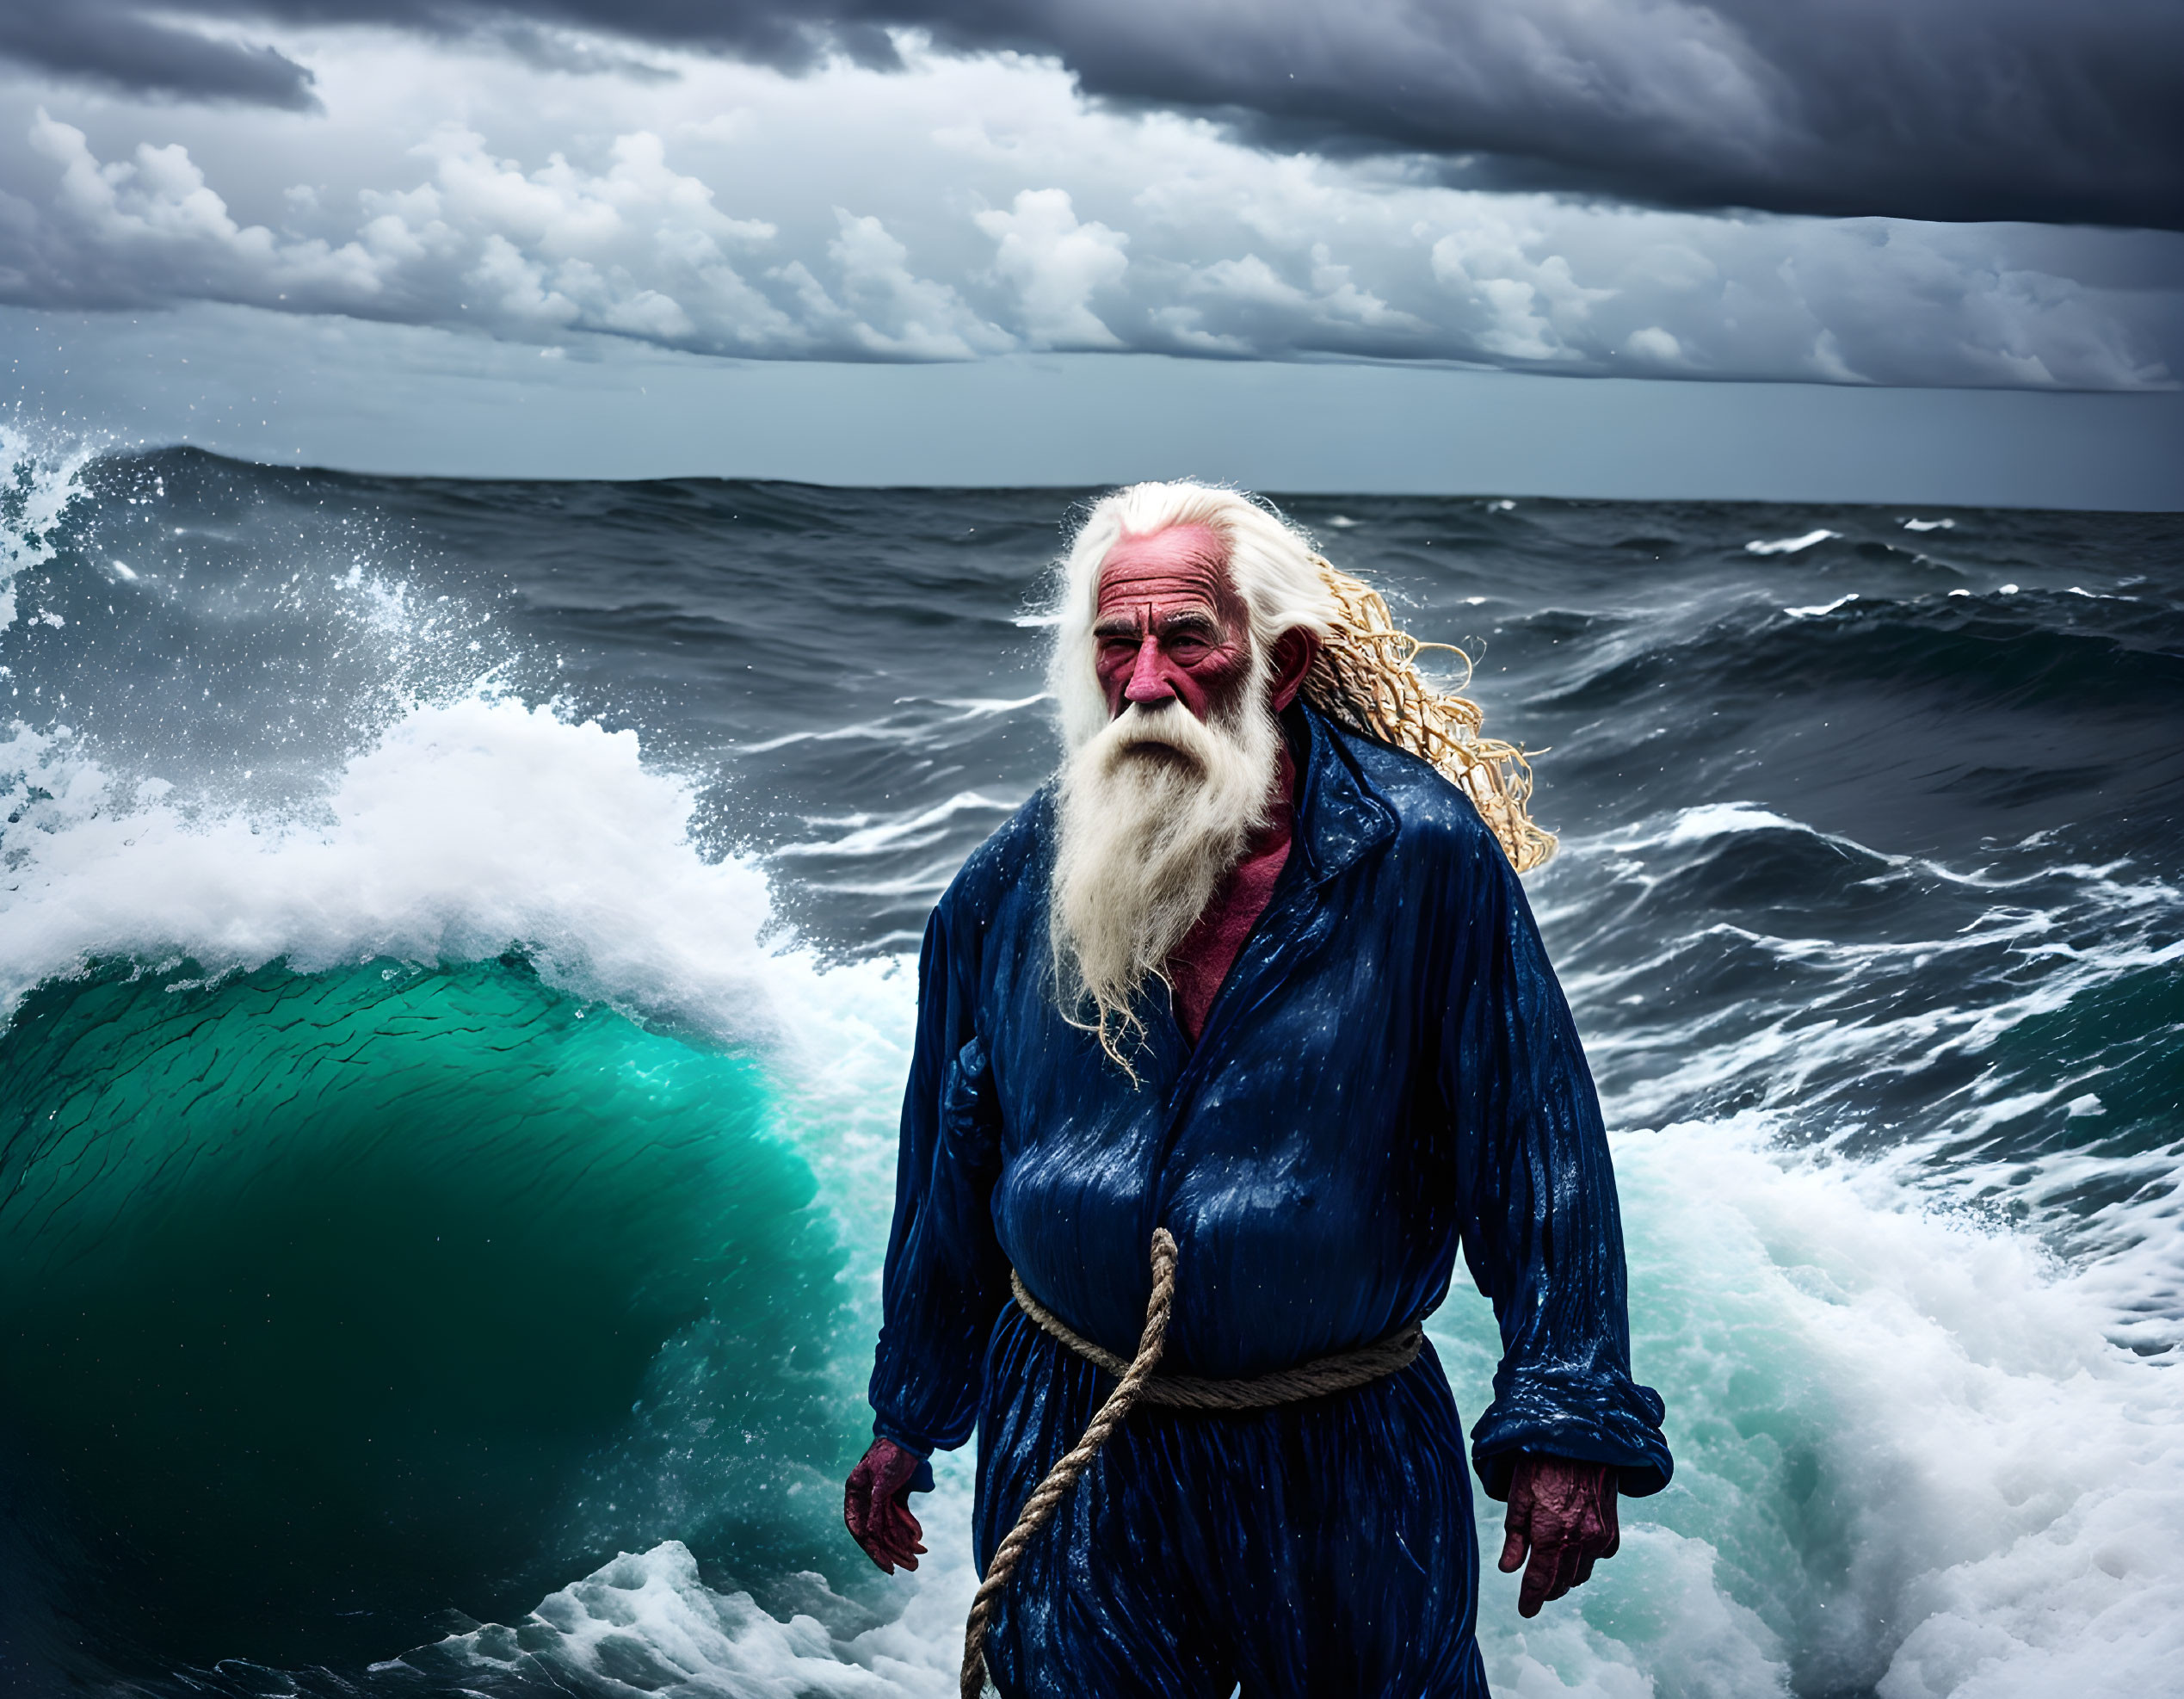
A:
(1209, 950)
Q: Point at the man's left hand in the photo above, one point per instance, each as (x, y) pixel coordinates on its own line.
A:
(1564, 1513)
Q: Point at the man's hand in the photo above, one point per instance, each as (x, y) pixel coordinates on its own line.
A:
(876, 1507)
(1564, 1513)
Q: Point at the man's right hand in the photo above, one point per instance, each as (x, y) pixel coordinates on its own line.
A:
(876, 1507)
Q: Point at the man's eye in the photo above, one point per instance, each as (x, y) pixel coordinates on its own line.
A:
(1188, 648)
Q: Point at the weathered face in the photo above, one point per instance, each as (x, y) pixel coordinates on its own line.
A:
(1169, 626)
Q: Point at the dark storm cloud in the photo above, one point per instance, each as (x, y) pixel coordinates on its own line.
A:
(122, 48)
(2044, 110)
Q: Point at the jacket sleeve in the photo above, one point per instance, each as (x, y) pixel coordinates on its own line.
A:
(945, 1277)
(1541, 1230)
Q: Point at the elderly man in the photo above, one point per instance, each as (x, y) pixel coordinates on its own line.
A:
(1248, 972)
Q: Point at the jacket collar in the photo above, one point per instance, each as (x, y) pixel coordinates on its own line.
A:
(1341, 814)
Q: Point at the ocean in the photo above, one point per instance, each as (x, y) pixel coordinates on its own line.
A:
(458, 941)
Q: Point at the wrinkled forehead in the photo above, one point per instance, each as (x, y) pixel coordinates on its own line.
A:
(1165, 569)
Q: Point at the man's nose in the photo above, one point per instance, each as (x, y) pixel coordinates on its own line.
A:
(1148, 678)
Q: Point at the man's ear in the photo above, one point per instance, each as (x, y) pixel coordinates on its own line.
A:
(1294, 651)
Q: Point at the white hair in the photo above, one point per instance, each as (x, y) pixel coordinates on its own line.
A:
(1271, 563)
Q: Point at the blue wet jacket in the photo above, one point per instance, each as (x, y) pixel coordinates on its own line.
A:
(1389, 1071)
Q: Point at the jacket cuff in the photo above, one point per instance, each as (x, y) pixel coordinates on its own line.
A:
(922, 1480)
(1587, 1417)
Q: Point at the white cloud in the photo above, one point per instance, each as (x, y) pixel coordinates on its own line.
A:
(967, 206)
(1533, 308)
(903, 316)
(157, 212)
(1057, 264)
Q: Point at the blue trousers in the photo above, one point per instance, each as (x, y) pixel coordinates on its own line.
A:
(1319, 1548)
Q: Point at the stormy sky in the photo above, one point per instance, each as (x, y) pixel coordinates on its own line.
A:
(1983, 194)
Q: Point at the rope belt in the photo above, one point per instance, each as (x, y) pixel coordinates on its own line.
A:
(1135, 1383)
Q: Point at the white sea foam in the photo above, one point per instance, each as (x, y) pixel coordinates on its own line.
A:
(874, 731)
(910, 728)
(914, 831)
(2019, 943)
(469, 827)
(1790, 545)
(979, 707)
(1714, 818)
(646, 1624)
(1906, 1437)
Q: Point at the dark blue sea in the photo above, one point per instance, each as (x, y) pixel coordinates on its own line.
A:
(458, 941)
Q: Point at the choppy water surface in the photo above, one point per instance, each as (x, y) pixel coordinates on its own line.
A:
(454, 936)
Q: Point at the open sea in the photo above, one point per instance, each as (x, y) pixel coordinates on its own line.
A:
(458, 940)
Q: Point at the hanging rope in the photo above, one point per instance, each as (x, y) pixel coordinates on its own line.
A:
(1136, 1383)
(1040, 1506)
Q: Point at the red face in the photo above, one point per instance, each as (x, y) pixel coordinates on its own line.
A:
(1170, 627)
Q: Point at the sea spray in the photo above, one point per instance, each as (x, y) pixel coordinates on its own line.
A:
(40, 474)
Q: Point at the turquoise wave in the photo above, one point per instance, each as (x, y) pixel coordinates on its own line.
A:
(330, 1301)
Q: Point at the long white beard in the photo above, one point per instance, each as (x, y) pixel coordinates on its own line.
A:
(1155, 810)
